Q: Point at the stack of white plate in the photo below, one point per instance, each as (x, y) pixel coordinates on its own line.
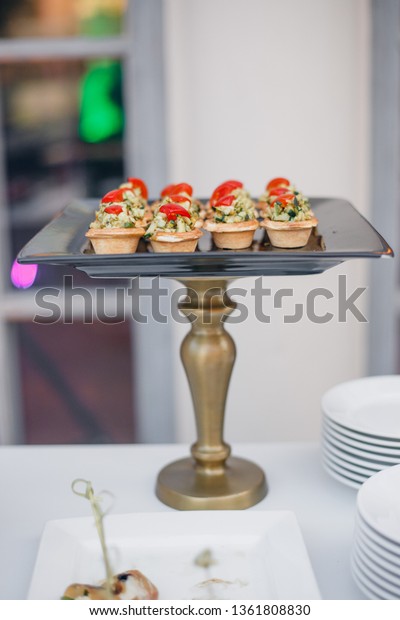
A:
(376, 549)
(361, 428)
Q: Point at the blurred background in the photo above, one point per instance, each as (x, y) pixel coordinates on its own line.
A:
(92, 91)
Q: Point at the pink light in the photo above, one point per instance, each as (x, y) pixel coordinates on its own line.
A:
(23, 276)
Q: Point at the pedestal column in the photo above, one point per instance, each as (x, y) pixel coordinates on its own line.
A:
(211, 479)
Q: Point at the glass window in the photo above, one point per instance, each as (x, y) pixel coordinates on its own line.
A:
(62, 135)
(76, 383)
(63, 131)
(61, 18)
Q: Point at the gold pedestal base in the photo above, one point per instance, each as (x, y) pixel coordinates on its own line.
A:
(240, 485)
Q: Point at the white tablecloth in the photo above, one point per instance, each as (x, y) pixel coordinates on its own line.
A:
(35, 486)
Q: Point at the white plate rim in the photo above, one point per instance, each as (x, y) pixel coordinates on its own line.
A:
(373, 466)
(378, 579)
(377, 569)
(353, 469)
(377, 553)
(347, 480)
(362, 437)
(199, 522)
(363, 511)
(341, 469)
(360, 578)
(377, 538)
(358, 447)
(340, 416)
(382, 540)
(346, 462)
(363, 588)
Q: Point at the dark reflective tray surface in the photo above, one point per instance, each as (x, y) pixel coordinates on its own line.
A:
(342, 234)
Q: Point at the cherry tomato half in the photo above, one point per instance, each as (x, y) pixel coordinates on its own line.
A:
(226, 201)
(278, 191)
(233, 183)
(113, 210)
(168, 189)
(283, 200)
(183, 188)
(116, 195)
(277, 182)
(227, 185)
(138, 183)
(179, 198)
(172, 210)
(224, 189)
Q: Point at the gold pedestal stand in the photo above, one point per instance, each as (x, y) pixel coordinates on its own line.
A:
(211, 480)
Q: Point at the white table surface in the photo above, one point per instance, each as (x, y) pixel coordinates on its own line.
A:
(35, 487)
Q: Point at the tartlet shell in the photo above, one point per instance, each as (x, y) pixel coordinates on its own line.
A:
(238, 236)
(183, 242)
(289, 234)
(115, 240)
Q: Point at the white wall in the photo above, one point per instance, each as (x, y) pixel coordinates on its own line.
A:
(259, 88)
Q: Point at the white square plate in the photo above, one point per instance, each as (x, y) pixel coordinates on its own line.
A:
(258, 555)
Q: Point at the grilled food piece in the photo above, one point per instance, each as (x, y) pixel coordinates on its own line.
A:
(131, 585)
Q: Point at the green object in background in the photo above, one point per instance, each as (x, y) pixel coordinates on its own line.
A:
(101, 114)
(102, 24)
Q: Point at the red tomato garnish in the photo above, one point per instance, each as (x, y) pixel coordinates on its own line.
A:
(113, 210)
(232, 183)
(172, 210)
(179, 198)
(168, 189)
(228, 185)
(226, 201)
(116, 195)
(283, 200)
(278, 182)
(138, 183)
(278, 191)
(183, 188)
(177, 188)
(223, 190)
